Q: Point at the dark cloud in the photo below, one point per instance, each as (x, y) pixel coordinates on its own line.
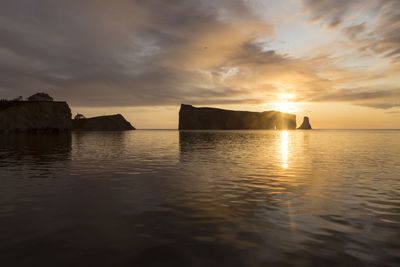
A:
(379, 99)
(360, 94)
(355, 30)
(331, 12)
(121, 53)
(382, 105)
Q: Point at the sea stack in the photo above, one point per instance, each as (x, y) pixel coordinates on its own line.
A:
(305, 125)
(204, 118)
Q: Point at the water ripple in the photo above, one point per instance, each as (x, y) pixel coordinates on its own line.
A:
(219, 198)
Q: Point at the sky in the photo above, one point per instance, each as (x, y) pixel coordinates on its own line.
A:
(337, 62)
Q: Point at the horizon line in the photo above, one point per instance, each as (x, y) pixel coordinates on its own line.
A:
(390, 129)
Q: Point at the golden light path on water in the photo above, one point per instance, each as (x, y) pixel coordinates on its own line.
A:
(284, 148)
(285, 165)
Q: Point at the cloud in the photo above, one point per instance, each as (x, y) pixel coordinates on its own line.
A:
(374, 98)
(330, 12)
(393, 112)
(382, 36)
(383, 106)
(353, 31)
(360, 94)
(154, 52)
(122, 53)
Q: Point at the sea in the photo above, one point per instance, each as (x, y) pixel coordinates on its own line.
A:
(200, 198)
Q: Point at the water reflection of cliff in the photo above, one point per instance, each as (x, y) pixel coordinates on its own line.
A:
(38, 147)
(106, 145)
(232, 146)
(34, 155)
(192, 140)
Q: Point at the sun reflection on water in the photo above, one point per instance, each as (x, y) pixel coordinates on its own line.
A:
(285, 148)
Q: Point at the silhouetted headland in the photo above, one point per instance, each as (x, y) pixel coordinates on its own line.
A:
(39, 113)
(305, 125)
(34, 116)
(204, 118)
(102, 123)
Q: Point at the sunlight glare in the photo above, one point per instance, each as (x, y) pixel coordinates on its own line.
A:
(287, 107)
(285, 148)
(286, 97)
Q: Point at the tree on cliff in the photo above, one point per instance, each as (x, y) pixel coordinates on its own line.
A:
(40, 97)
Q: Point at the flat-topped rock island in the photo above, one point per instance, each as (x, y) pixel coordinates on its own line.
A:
(204, 118)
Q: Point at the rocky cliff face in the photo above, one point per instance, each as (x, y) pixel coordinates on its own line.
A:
(306, 124)
(192, 118)
(102, 123)
(38, 116)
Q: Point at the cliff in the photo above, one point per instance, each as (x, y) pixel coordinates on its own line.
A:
(102, 123)
(305, 125)
(192, 118)
(37, 116)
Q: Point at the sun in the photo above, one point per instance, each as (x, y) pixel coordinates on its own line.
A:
(285, 104)
(287, 107)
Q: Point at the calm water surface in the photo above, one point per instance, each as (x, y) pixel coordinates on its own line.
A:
(169, 198)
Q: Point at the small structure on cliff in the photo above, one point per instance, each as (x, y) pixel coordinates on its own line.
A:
(79, 117)
(40, 97)
(192, 118)
(305, 125)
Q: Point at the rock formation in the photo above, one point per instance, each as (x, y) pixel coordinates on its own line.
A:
(34, 116)
(305, 125)
(102, 123)
(192, 118)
